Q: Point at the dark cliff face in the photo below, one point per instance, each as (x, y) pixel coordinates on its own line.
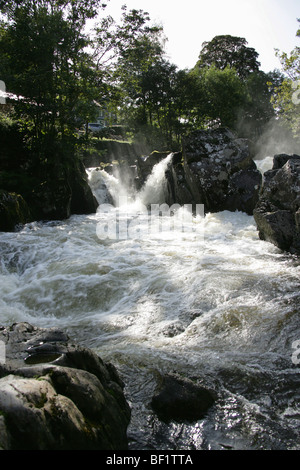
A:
(277, 213)
(64, 192)
(218, 171)
(13, 211)
(33, 188)
(56, 198)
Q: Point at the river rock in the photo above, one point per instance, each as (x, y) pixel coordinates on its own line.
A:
(14, 211)
(277, 213)
(180, 399)
(57, 395)
(65, 191)
(82, 198)
(35, 187)
(177, 189)
(218, 171)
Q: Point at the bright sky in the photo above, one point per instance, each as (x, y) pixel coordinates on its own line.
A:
(265, 24)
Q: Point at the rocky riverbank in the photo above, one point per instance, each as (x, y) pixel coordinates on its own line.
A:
(40, 185)
(56, 395)
(277, 212)
(62, 192)
(215, 168)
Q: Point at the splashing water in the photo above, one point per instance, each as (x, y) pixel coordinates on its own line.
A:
(264, 164)
(222, 308)
(105, 186)
(153, 190)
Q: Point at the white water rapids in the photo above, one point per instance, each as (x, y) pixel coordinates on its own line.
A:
(213, 303)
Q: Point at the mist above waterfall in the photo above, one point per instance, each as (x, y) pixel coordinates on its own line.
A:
(276, 138)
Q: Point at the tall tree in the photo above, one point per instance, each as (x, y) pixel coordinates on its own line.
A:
(45, 62)
(286, 100)
(134, 51)
(189, 101)
(229, 51)
(225, 96)
(258, 110)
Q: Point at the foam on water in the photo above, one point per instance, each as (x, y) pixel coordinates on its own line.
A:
(212, 301)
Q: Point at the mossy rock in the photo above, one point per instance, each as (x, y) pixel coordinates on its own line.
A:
(14, 211)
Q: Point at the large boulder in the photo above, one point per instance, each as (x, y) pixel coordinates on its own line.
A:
(82, 199)
(177, 189)
(65, 191)
(14, 211)
(61, 192)
(277, 213)
(180, 399)
(218, 171)
(56, 395)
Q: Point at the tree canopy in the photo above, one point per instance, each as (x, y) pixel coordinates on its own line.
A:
(286, 98)
(234, 90)
(229, 51)
(60, 69)
(45, 63)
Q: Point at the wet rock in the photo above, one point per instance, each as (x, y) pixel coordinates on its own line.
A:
(177, 189)
(82, 198)
(56, 395)
(14, 211)
(277, 213)
(64, 191)
(180, 399)
(218, 171)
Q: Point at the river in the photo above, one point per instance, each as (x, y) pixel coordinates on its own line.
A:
(205, 298)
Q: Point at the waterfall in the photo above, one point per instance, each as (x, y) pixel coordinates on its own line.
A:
(222, 308)
(105, 187)
(153, 189)
(265, 164)
(152, 192)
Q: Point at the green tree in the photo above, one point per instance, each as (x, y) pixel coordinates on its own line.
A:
(258, 110)
(134, 50)
(185, 100)
(286, 100)
(237, 93)
(229, 51)
(45, 62)
(133, 67)
(224, 94)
